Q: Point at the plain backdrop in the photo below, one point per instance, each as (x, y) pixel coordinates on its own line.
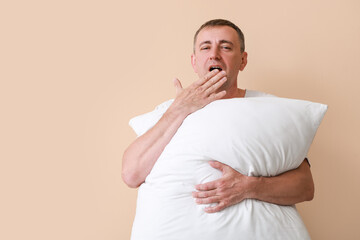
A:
(74, 72)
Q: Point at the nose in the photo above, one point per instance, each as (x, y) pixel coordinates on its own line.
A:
(215, 54)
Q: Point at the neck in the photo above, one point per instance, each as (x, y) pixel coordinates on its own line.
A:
(234, 92)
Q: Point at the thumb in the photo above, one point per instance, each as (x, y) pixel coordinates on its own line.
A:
(218, 165)
(178, 86)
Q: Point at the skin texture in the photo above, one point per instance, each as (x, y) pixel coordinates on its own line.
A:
(214, 46)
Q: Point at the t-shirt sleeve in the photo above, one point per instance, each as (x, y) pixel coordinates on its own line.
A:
(142, 123)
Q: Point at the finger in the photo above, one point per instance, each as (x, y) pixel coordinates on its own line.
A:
(212, 88)
(214, 79)
(216, 96)
(206, 78)
(218, 165)
(178, 86)
(216, 208)
(207, 186)
(204, 194)
(207, 200)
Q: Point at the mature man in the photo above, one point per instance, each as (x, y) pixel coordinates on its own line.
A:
(219, 54)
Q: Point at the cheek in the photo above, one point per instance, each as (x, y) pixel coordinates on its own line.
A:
(201, 65)
(201, 60)
(237, 63)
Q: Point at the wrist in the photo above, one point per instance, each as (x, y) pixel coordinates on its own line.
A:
(254, 187)
(178, 111)
(174, 116)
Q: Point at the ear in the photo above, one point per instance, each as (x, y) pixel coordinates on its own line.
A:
(243, 61)
(193, 62)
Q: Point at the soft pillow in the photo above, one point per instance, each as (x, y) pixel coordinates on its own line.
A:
(256, 136)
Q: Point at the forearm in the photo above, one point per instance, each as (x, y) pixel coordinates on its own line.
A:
(140, 157)
(285, 189)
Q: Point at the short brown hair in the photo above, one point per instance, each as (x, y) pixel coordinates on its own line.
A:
(222, 22)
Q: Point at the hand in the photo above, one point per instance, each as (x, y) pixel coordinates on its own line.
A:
(288, 188)
(200, 93)
(229, 190)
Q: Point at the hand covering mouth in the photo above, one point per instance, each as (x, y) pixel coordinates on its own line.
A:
(211, 68)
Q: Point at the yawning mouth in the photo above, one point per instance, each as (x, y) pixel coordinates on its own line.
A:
(213, 68)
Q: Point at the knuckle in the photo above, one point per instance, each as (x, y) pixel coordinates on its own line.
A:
(204, 187)
(208, 200)
(222, 183)
(207, 76)
(221, 191)
(213, 88)
(199, 89)
(210, 93)
(212, 96)
(213, 200)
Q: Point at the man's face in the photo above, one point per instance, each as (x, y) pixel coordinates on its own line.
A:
(219, 47)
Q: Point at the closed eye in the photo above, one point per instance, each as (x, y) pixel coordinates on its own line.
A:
(226, 47)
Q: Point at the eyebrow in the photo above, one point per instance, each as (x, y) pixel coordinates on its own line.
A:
(225, 41)
(221, 41)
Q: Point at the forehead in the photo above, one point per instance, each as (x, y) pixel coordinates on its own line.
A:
(216, 34)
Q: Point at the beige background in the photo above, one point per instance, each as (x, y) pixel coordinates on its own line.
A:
(74, 72)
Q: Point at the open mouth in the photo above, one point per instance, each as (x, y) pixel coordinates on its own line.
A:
(213, 68)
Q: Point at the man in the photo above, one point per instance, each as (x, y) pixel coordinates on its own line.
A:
(219, 54)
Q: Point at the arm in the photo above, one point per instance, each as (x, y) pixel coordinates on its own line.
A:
(140, 157)
(288, 188)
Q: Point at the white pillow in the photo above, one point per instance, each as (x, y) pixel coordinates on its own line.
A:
(256, 136)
